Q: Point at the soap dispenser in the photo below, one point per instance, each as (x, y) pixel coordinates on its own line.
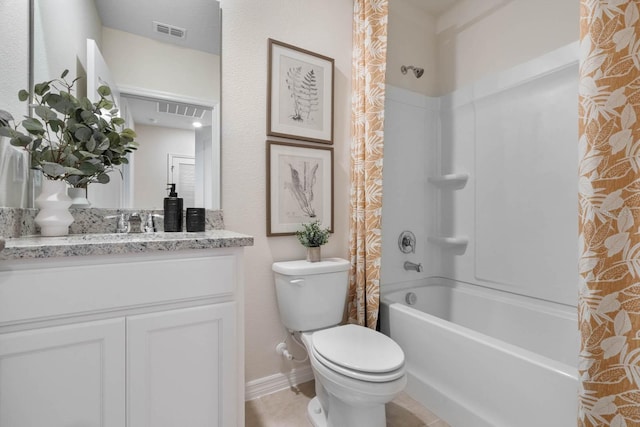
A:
(172, 210)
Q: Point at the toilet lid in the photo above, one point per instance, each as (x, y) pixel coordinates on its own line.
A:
(358, 348)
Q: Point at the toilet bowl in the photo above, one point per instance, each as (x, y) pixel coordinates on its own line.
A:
(353, 392)
(357, 370)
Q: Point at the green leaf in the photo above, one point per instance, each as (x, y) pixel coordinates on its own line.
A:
(72, 171)
(88, 154)
(104, 144)
(36, 144)
(46, 155)
(104, 91)
(91, 144)
(89, 168)
(84, 134)
(53, 169)
(64, 74)
(118, 121)
(128, 133)
(56, 125)
(23, 95)
(41, 88)
(86, 104)
(8, 132)
(88, 117)
(45, 113)
(5, 118)
(103, 178)
(105, 104)
(33, 126)
(20, 140)
(71, 159)
(74, 180)
(59, 103)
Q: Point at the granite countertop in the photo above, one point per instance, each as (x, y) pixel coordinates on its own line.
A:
(108, 244)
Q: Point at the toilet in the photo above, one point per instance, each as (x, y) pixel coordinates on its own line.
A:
(357, 370)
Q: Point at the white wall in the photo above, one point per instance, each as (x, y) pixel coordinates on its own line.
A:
(411, 41)
(61, 33)
(479, 38)
(515, 133)
(14, 55)
(14, 69)
(247, 24)
(141, 62)
(411, 136)
(150, 172)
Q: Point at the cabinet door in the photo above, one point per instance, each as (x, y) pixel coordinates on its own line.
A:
(181, 367)
(64, 376)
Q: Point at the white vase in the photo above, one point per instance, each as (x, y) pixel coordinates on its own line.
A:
(78, 197)
(53, 217)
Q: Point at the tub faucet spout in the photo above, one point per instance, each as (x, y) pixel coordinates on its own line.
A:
(408, 265)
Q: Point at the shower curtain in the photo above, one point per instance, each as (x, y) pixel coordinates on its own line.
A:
(609, 214)
(368, 79)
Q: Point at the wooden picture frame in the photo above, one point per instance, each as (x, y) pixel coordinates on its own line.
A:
(299, 94)
(299, 187)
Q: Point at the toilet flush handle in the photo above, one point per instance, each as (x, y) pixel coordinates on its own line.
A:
(298, 282)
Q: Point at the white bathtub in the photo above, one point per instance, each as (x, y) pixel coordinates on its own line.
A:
(478, 357)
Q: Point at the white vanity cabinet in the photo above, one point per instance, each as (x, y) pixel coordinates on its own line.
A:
(136, 340)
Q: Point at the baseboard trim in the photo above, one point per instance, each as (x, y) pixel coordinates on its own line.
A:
(273, 383)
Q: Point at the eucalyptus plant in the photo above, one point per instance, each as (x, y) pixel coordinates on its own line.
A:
(311, 235)
(68, 138)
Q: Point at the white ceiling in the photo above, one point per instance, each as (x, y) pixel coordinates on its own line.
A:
(146, 112)
(201, 19)
(433, 7)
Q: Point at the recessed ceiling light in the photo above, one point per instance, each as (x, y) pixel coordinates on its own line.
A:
(197, 124)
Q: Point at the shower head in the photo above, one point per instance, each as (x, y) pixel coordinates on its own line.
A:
(417, 71)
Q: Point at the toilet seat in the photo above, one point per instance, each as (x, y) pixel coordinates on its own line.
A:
(358, 352)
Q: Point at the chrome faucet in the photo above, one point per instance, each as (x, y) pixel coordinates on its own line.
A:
(408, 265)
(122, 224)
(135, 223)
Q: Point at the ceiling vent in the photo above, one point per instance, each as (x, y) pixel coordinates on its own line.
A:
(179, 109)
(169, 30)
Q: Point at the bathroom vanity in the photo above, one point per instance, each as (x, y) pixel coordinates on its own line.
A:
(113, 330)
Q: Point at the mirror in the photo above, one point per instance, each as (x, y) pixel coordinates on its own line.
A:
(165, 62)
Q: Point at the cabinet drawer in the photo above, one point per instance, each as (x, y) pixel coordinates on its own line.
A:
(93, 284)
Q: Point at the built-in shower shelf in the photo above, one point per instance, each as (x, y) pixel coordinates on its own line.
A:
(458, 242)
(455, 181)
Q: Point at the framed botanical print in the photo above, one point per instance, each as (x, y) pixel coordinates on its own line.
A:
(300, 94)
(299, 187)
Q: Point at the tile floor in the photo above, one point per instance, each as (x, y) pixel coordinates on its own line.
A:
(288, 408)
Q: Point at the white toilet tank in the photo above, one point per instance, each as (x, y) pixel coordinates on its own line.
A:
(311, 295)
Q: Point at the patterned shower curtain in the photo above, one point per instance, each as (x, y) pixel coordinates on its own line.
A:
(367, 116)
(609, 214)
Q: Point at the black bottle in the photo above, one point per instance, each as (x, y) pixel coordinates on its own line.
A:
(172, 210)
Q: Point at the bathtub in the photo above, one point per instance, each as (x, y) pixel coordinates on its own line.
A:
(479, 357)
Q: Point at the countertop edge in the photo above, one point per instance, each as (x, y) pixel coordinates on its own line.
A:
(37, 247)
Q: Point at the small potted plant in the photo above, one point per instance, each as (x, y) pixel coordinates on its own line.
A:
(71, 140)
(312, 237)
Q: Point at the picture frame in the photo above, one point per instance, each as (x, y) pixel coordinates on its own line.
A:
(299, 187)
(299, 94)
